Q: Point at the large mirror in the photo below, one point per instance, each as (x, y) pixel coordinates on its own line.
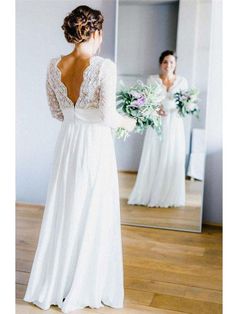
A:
(161, 180)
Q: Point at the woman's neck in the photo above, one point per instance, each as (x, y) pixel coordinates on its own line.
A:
(169, 77)
(82, 51)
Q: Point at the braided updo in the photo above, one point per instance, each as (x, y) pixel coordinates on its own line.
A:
(81, 23)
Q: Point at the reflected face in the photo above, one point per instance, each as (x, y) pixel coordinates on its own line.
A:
(168, 65)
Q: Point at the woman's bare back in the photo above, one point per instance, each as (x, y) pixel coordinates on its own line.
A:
(72, 70)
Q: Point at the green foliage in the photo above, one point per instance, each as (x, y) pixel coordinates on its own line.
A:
(141, 102)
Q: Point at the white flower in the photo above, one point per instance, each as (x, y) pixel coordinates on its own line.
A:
(135, 94)
(191, 106)
(194, 97)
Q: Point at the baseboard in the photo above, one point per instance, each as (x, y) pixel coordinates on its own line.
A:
(27, 204)
(128, 171)
(212, 224)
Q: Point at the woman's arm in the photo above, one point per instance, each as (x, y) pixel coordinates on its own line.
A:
(161, 112)
(107, 103)
(52, 100)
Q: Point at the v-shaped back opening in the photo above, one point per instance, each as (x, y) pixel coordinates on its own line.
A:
(82, 82)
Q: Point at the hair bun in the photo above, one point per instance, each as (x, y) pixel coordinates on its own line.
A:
(81, 23)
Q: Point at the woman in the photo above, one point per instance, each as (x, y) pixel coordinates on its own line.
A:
(78, 261)
(161, 176)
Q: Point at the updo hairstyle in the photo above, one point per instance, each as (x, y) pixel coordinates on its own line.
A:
(81, 23)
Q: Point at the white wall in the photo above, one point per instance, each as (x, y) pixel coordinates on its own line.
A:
(193, 44)
(213, 183)
(38, 38)
(199, 51)
(186, 50)
(144, 31)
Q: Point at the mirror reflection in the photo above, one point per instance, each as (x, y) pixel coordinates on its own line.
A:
(161, 176)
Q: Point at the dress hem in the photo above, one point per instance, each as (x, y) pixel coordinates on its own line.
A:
(45, 308)
(151, 205)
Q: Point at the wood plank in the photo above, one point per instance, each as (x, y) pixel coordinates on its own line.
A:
(170, 276)
(187, 217)
(166, 272)
(194, 293)
(185, 305)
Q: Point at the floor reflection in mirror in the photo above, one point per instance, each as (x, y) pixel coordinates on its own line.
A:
(181, 218)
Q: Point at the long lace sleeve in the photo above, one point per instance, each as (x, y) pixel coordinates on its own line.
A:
(52, 100)
(107, 102)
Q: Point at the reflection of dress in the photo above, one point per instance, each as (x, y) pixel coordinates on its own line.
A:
(160, 180)
(79, 253)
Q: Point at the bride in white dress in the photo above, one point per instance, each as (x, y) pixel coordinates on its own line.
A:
(79, 261)
(160, 180)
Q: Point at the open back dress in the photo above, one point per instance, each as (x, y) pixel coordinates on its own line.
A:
(78, 261)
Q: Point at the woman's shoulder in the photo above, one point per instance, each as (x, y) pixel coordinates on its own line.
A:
(105, 61)
(182, 82)
(153, 77)
(51, 65)
(106, 65)
(53, 60)
(181, 78)
(95, 59)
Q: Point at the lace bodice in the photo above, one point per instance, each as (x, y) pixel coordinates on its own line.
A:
(179, 84)
(97, 91)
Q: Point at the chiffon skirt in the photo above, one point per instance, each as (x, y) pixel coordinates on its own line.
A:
(160, 180)
(78, 261)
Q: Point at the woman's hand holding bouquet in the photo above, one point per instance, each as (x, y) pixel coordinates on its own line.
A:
(143, 103)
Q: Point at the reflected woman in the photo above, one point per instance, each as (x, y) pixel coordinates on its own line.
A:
(160, 180)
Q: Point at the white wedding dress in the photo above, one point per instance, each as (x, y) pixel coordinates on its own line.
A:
(78, 261)
(160, 181)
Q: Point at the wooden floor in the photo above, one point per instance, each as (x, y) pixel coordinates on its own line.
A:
(165, 271)
(185, 218)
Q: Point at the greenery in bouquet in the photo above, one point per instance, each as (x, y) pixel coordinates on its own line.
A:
(187, 102)
(142, 102)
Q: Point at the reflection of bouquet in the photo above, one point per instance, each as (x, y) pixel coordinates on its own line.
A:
(141, 102)
(187, 102)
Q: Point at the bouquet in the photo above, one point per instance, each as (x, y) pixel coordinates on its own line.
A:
(141, 102)
(187, 102)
